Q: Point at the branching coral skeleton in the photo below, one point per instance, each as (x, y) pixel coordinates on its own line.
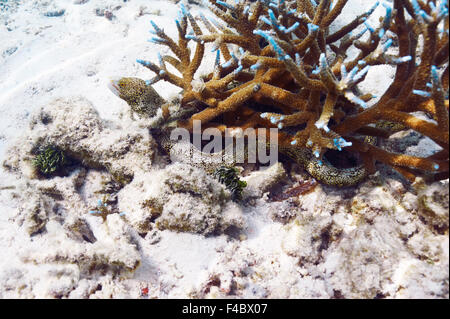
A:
(282, 53)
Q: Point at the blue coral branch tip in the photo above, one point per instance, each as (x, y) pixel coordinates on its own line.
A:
(319, 125)
(178, 24)
(358, 101)
(336, 143)
(157, 29)
(442, 11)
(157, 40)
(255, 66)
(352, 73)
(422, 93)
(226, 5)
(265, 20)
(227, 63)
(434, 74)
(369, 27)
(316, 70)
(246, 10)
(343, 71)
(361, 74)
(340, 142)
(292, 28)
(425, 16)
(360, 34)
(294, 142)
(323, 61)
(160, 59)
(273, 19)
(239, 69)
(432, 6)
(298, 61)
(436, 167)
(292, 11)
(191, 37)
(278, 50)
(183, 9)
(144, 63)
(373, 8)
(416, 6)
(273, 5)
(217, 61)
(403, 59)
(388, 16)
(387, 45)
(312, 27)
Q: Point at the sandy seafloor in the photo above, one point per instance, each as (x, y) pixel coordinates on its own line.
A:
(381, 239)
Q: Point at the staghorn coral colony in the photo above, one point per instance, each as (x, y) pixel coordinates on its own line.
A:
(278, 65)
(92, 208)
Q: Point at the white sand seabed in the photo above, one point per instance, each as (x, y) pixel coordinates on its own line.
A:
(360, 243)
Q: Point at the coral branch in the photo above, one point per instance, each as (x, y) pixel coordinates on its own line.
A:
(276, 54)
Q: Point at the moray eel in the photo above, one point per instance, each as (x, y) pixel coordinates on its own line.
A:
(142, 98)
(145, 101)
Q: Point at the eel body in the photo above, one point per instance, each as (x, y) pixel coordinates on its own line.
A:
(144, 100)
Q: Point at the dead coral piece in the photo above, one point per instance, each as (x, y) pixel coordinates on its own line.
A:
(34, 212)
(433, 206)
(260, 182)
(73, 126)
(79, 230)
(179, 198)
(100, 257)
(279, 53)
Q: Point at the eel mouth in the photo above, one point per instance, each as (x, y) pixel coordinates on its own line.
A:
(113, 85)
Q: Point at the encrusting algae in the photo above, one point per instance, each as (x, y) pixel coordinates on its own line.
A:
(282, 54)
